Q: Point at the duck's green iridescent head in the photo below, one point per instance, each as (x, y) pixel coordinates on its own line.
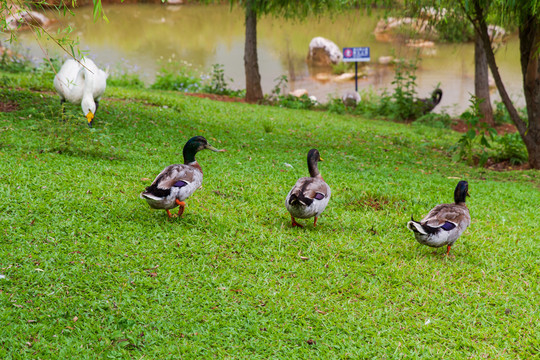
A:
(194, 145)
(461, 192)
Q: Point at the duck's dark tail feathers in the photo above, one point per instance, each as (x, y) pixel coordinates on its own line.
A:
(300, 199)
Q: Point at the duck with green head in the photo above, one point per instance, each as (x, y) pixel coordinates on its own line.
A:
(179, 181)
(445, 223)
(310, 195)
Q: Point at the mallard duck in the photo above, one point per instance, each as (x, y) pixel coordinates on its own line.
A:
(81, 83)
(445, 222)
(178, 182)
(310, 195)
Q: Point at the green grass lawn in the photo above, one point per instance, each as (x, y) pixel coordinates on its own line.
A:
(91, 271)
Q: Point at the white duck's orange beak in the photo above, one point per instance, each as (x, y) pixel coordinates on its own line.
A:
(90, 118)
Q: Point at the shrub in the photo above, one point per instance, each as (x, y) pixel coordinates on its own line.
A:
(126, 80)
(442, 120)
(454, 29)
(178, 76)
(476, 135)
(217, 84)
(511, 148)
(14, 63)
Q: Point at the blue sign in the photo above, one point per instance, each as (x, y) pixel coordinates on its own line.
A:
(351, 54)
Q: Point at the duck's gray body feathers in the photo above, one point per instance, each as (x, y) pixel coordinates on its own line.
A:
(308, 197)
(443, 225)
(175, 182)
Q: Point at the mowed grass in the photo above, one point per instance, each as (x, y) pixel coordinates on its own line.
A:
(91, 271)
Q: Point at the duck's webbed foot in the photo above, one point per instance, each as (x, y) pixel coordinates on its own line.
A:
(182, 207)
(294, 223)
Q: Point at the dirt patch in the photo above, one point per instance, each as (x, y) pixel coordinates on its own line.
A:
(9, 106)
(460, 126)
(224, 98)
(505, 165)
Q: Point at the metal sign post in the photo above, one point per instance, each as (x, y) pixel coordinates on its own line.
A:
(356, 54)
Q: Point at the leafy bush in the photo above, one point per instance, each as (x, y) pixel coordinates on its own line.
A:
(455, 29)
(476, 135)
(126, 80)
(336, 106)
(217, 83)
(178, 76)
(511, 148)
(435, 120)
(14, 63)
(278, 97)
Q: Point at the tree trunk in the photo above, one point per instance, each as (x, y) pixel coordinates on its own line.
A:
(529, 44)
(251, 63)
(481, 83)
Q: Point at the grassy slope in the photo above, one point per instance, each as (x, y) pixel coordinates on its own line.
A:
(92, 271)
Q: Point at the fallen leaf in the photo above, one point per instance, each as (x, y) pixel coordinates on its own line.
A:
(75, 318)
(152, 274)
(31, 321)
(39, 270)
(311, 342)
(145, 179)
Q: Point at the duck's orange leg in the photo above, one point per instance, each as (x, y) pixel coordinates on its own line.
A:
(168, 213)
(294, 223)
(448, 249)
(315, 222)
(182, 206)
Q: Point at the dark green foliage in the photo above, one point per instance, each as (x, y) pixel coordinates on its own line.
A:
(128, 80)
(217, 84)
(512, 149)
(479, 132)
(177, 76)
(454, 28)
(278, 97)
(14, 63)
(442, 120)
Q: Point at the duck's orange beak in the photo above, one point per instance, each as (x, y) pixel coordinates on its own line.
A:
(90, 118)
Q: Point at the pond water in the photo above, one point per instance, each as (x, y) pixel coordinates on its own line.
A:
(140, 37)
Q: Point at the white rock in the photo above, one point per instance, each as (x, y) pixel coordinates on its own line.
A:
(324, 52)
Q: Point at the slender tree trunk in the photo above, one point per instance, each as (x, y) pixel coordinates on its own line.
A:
(529, 44)
(481, 83)
(251, 63)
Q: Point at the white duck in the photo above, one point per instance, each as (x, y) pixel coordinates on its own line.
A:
(178, 182)
(309, 196)
(445, 223)
(81, 83)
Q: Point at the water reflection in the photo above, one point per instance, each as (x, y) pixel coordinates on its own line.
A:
(138, 35)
